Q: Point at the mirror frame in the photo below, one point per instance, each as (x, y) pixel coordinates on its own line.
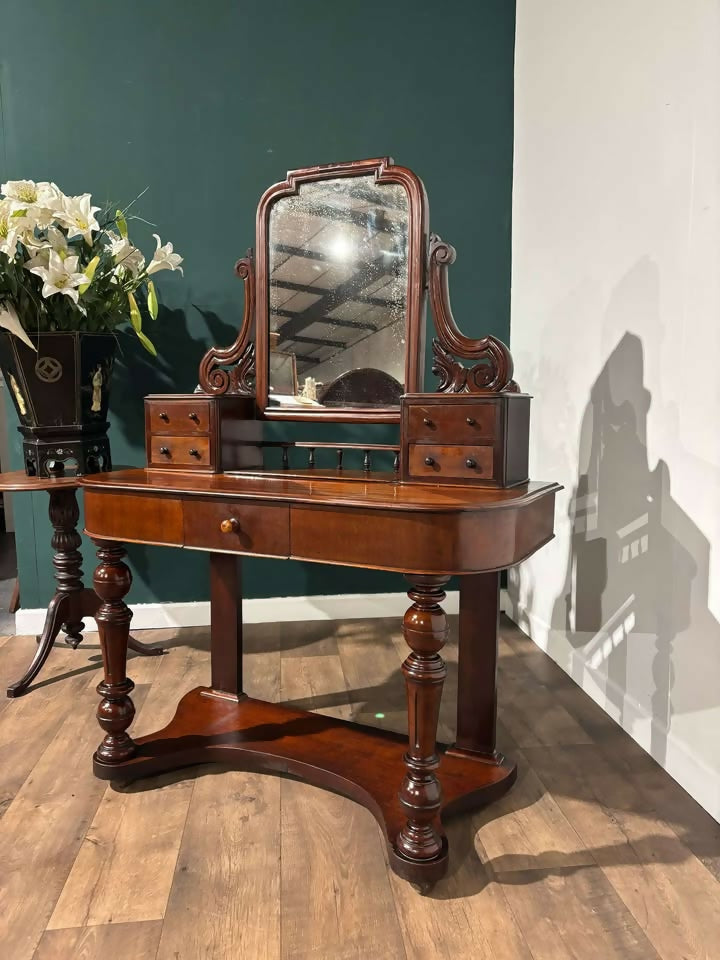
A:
(385, 172)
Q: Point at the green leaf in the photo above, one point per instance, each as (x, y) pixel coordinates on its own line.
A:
(89, 272)
(135, 318)
(121, 223)
(152, 300)
(148, 344)
(18, 213)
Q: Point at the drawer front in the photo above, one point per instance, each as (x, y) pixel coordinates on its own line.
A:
(180, 452)
(461, 463)
(238, 526)
(453, 423)
(178, 416)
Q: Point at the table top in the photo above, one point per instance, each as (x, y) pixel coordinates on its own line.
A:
(348, 489)
(18, 480)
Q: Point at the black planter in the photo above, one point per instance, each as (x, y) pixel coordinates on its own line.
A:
(61, 396)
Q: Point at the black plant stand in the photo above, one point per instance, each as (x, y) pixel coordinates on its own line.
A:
(72, 601)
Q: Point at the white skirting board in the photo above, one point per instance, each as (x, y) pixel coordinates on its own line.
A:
(343, 606)
(678, 759)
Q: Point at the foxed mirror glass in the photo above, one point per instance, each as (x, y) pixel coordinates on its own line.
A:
(342, 256)
(338, 269)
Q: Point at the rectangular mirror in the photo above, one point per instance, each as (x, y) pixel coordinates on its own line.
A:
(340, 291)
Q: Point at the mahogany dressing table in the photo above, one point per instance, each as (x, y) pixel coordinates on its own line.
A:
(333, 330)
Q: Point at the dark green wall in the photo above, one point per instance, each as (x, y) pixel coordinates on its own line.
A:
(207, 104)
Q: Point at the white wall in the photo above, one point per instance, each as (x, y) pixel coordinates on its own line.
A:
(616, 331)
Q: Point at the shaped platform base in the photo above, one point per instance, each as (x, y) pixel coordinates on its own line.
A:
(359, 762)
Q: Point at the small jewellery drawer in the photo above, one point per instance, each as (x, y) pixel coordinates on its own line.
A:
(237, 525)
(454, 423)
(179, 451)
(176, 417)
(462, 463)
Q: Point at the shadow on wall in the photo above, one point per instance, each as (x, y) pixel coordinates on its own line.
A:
(637, 572)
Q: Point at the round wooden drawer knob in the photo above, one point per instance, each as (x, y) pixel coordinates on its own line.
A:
(470, 421)
(427, 421)
(165, 451)
(429, 461)
(231, 525)
(194, 452)
(194, 417)
(471, 463)
(164, 416)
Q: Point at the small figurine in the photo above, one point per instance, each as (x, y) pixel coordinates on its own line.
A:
(309, 390)
(97, 381)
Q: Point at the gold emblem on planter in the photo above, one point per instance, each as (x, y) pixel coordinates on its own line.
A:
(97, 382)
(48, 369)
(19, 398)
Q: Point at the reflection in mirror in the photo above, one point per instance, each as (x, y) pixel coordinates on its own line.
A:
(338, 273)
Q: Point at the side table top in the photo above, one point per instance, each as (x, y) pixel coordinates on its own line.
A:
(18, 480)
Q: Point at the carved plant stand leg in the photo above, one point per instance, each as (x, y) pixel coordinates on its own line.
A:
(72, 601)
(64, 610)
(116, 710)
(425, 629)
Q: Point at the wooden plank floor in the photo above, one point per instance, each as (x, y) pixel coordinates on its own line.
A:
(595, 854)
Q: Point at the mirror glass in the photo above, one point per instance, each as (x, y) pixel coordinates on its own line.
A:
(338, 275)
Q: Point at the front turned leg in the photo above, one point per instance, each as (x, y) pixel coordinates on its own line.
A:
(116, 710)
(425, 629)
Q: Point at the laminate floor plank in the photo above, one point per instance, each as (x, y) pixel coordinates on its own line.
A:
(336, 900)
(43, 827)
(574, 913)
(36, 717)
(467, 913)
(669, 892)
(133, 841)
(225, 896)
(136, 941)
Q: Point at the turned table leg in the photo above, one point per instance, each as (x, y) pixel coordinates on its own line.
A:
(116, 710)
(425, 629)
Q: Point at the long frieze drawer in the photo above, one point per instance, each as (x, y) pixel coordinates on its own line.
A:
(453, 423)
(236, 525)
(464, 463)
(178, 416)
(180, 451)
(133, 517)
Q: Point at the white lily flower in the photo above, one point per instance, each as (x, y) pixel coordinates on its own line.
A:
(58, 241)
(125, 255)
(9, 320)
(164, 258)
(77, 214)
(10, 228)
(60, 276)
(41, 256)
(27, 192)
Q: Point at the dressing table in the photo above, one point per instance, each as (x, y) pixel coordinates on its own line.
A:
(333, 331)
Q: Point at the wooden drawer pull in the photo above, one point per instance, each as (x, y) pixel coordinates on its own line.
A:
(427, 421)
(194, 452)
(194, 417)
(471, 463)
(165, 451)
(470, 421)
(429, 461)
(164, 417)
(231, 525)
